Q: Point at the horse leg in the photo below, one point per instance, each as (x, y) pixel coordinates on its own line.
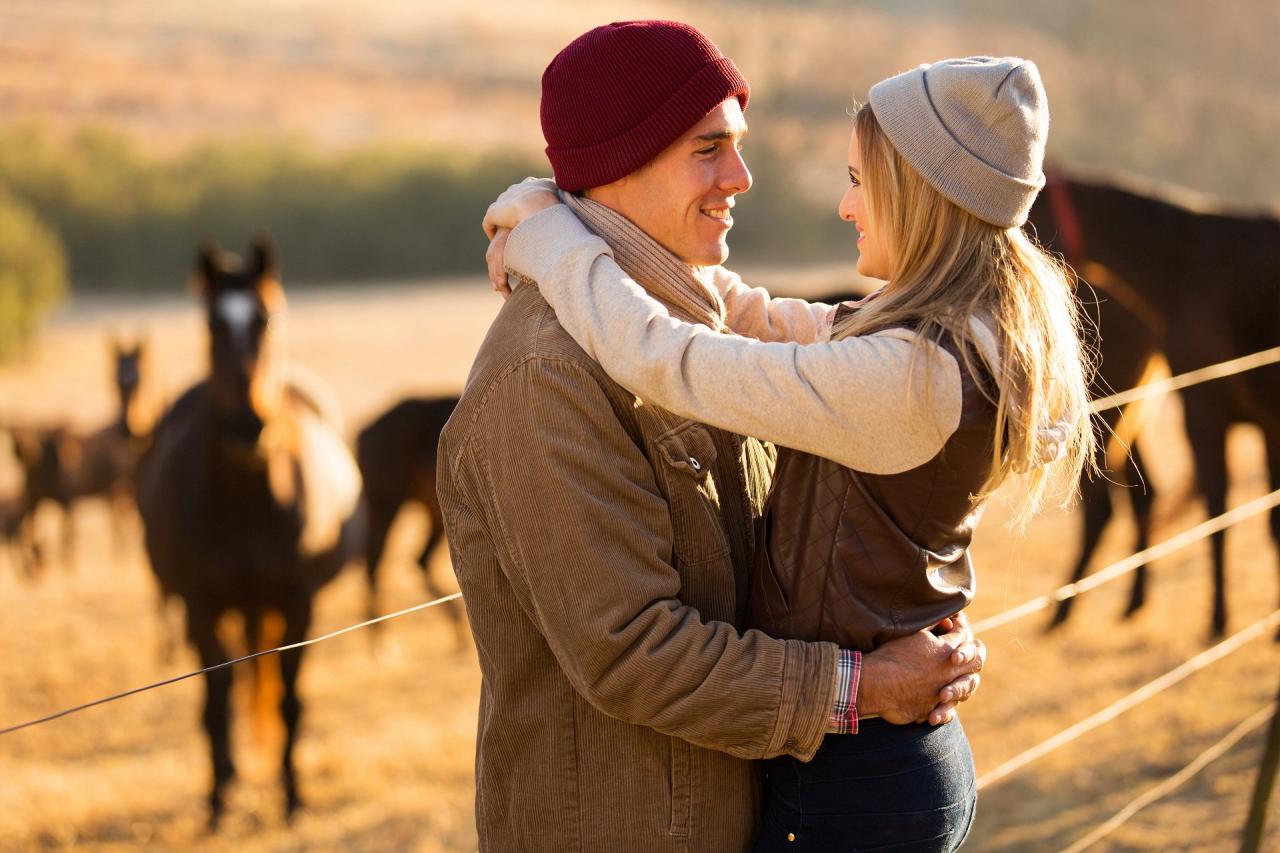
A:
(381, 517)
(168, 634)
(68, 537)
(28, 543)
(1141, 495)
(297, 623)
(1273, 468)
(1207, 434)
(1095, 498)
(202, 631)
(454, 609)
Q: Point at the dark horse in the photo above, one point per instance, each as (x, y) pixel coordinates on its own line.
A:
(248, 495)
(61, 466)
(1199, 284)
(397, 457)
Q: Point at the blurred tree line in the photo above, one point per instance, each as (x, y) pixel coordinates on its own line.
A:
(131, 220)
(97, 208)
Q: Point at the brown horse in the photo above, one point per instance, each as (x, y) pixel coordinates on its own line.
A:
(248, 495)
(397, 457)
(39, 454)
(1201, 285)
(61, 466)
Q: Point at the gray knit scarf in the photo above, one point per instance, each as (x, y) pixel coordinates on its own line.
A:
(665, 277)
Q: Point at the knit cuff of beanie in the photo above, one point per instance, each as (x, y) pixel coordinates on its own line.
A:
(604, 162)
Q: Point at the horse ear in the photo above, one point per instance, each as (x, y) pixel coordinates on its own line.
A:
(265, 262)
(208, 264)
(26, 445)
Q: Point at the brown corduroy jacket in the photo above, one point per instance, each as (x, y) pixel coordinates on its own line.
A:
(603, 548)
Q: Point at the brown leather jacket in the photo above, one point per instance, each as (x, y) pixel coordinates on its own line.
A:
(858, 559)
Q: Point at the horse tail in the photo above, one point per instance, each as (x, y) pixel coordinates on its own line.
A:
(268, 687)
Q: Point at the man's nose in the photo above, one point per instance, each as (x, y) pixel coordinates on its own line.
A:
(735, 177)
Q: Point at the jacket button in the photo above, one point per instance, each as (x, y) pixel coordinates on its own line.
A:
(791, 836)
(694, 463)
(789, 743)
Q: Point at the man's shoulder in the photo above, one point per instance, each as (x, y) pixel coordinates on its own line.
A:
(527, 355)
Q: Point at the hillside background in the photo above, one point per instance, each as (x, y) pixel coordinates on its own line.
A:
(369, 137)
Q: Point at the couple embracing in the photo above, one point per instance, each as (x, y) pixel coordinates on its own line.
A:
(714, 545)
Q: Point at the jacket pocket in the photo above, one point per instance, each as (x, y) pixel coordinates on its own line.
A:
(681, 787)
(687, 456)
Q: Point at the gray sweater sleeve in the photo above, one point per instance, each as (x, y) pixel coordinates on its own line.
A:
(864, 402)
(754, 313)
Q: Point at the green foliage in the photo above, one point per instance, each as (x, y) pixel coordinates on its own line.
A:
(33, 274)
(132, 221)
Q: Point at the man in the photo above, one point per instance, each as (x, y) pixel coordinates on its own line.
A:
(604, 545)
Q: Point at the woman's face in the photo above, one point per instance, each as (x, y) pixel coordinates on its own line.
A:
(873, 255)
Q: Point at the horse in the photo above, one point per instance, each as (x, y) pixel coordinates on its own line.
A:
(396, 453)
(1196, 282)
(61, 466)
(39, 451)
(250, 499)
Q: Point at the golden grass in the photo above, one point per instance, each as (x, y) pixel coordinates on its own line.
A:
(385, 756)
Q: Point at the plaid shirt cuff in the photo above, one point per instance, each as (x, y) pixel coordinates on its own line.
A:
(844, 713)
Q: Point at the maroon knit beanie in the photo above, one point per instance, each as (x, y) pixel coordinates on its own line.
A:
(619, 94)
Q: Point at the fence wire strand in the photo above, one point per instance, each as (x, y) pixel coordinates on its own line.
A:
(1220, 370)
(1125, 703)
(1168, 786)
(329, 636)
(1132, 562)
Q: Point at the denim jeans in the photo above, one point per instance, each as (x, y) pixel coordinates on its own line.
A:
(886, 788)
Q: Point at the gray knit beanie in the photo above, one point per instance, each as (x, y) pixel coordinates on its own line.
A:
(974, 128)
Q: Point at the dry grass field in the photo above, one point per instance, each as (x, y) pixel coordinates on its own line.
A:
(386, 749)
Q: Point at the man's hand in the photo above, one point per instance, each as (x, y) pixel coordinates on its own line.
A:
(922, 676)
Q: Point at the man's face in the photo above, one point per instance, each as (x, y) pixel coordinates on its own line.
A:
(683, 197)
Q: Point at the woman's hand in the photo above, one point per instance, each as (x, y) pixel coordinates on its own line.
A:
(518, 203)
(493, 257)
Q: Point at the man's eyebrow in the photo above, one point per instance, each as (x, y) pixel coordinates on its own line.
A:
(719, 135)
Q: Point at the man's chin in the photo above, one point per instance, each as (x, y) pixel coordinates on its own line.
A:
(712, 257)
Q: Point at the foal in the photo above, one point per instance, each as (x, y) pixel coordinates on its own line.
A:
(248, 495)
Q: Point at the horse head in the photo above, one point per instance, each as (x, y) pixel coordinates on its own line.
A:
(244, 304)
(129, 359)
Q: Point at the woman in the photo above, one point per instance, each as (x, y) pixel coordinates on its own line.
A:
(898, 415)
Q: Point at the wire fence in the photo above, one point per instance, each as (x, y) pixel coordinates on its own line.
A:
(175, 679)
(1129, 701)
(1115, 570)
(1171, 784)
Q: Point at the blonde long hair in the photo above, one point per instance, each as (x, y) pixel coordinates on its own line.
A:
(950, 268)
